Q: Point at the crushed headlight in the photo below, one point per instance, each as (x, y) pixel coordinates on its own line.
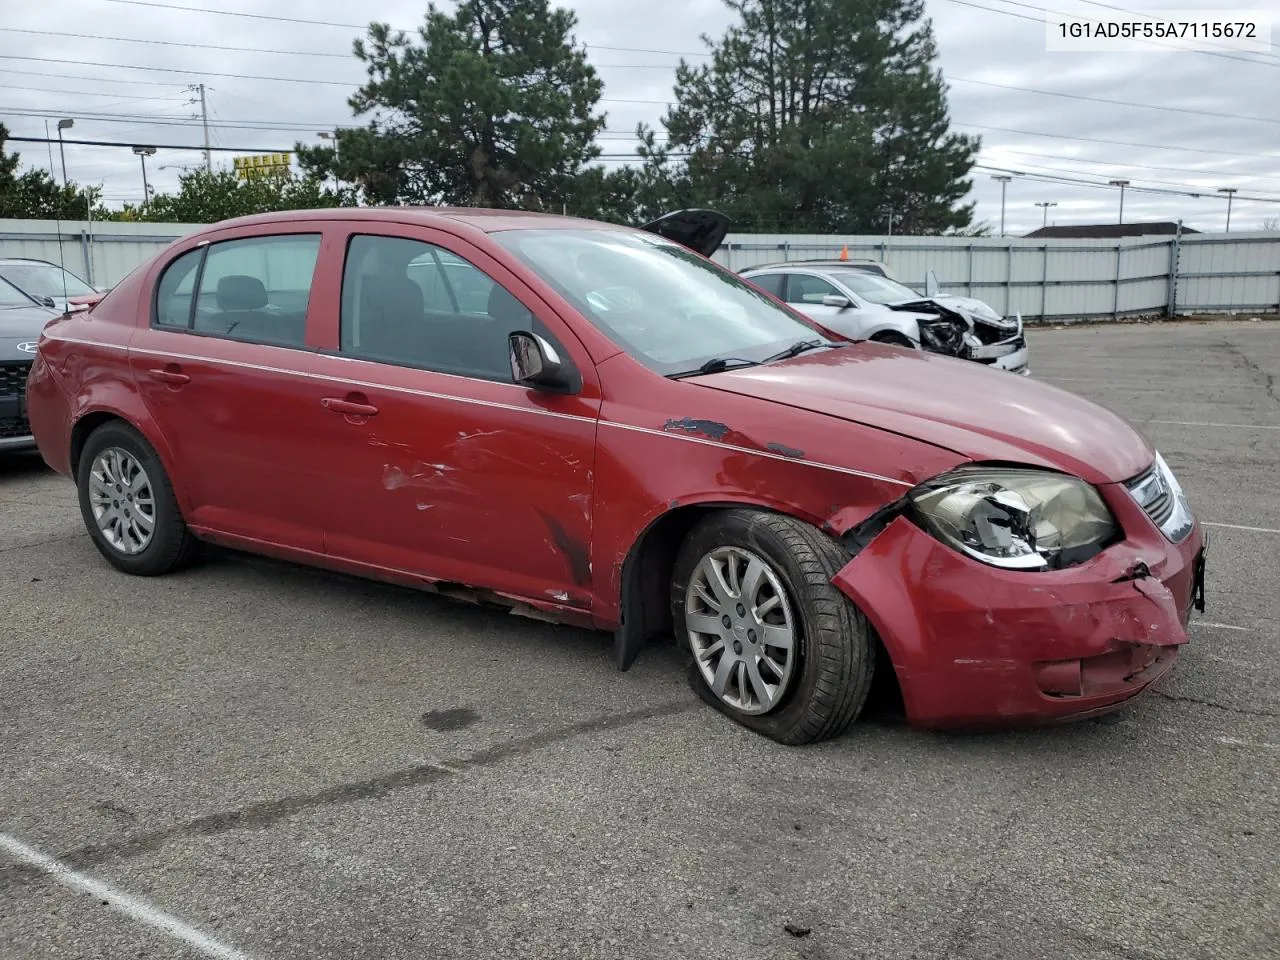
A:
(1020, 519)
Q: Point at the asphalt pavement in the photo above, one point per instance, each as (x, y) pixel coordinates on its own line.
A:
(258, 760)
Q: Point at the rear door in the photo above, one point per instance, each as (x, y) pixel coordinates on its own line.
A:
(217, 367)
(439, 464)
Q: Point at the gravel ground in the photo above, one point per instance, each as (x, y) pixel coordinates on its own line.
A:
(300, 765)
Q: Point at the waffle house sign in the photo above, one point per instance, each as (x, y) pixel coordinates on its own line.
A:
(262, 165)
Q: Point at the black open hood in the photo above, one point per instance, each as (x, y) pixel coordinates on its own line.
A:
(700, 230)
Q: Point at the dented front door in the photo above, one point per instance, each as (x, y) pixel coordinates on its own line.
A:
(461, 478)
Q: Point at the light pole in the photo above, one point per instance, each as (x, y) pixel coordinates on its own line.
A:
(332, 135)
(1121, 184)
(63, 125)
(1004, 179)
(1230, 192)
(1046, 205)
(143, 153)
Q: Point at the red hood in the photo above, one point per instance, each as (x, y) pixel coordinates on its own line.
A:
(959, 405)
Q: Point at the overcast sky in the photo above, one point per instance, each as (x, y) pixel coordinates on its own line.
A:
(1190, 143)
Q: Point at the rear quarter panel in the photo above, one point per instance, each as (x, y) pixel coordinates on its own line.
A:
(85, 373)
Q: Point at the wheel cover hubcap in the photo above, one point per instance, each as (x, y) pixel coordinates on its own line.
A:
(741, 629)
(122, 500)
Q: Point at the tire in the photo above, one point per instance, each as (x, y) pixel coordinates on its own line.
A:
(822, 689)
(169, 545)
(896, 339)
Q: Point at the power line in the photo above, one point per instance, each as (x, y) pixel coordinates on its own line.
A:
(1072, 181)
(268, 125)
(969, 80)
(1127, 12)
(1129, 165)
(1071, 176)
(1041, 21)
(1115, 143)
(605, 156)
(1118, 103)
(179, 43)
(350, 26)
(75, 76)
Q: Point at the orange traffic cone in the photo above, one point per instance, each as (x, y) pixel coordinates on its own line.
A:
(844, 252)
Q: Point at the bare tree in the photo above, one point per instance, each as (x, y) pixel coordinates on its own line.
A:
(1271, 223)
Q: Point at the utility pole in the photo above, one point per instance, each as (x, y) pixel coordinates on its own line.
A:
(1004, 179)
(1121, 184)
(1230, 192)
(204, 118)
(1046, 205)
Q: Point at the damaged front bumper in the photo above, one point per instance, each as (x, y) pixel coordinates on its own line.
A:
(1011, 355)
(975, 645)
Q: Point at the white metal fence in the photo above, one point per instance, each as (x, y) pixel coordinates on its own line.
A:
(1044, 279)
(1060, 279)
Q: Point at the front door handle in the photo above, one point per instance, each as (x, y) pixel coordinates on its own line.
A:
(350, 408)
(167, 375)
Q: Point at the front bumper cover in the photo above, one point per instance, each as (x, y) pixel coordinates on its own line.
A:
(975, 645)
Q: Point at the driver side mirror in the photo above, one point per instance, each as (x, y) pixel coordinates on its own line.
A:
(835, 300)
(535, 363)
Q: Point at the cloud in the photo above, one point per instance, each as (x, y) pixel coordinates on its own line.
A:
(111, 98)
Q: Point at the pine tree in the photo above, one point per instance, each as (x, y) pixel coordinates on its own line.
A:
(824, 116)
(490, 105)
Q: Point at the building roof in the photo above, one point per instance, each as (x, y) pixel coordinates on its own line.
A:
(1074, 231)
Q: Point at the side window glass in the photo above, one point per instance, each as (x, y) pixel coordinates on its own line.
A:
(771, 282)
(257, 289)
(416, 304)
(808, 290)
(173, 293)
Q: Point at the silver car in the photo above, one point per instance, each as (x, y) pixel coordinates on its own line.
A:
(864, 304)
(21, 322)
(45, 283)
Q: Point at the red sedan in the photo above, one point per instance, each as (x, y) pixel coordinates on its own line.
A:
(600, 425)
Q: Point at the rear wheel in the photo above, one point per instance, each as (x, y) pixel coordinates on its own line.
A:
(128, 504)
(775, 645)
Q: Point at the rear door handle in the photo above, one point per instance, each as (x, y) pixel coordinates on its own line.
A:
(168, 376)
(350, 408)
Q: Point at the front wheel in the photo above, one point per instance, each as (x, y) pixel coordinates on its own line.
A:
(775, 645)
(897, 339)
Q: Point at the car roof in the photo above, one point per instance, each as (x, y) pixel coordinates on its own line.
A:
(814, 264)
(4, 261)
(488, 220)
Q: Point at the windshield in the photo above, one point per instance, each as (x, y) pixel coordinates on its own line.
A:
(664, 304)
(873, 287)
(11, 296)
(44, 279)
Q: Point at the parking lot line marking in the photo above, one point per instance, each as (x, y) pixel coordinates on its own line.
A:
(1236, 526)
(1197, 423)
(1220, 626)
(131, 907)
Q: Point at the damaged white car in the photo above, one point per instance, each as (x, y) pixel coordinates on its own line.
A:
(862, 303)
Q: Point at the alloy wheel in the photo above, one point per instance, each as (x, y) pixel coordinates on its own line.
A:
(741, 629)
(122, 500)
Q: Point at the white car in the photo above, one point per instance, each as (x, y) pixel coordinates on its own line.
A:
(864, 304)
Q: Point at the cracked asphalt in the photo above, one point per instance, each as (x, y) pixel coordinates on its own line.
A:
(301, 765)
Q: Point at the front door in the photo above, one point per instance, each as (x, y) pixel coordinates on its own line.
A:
(442, 466)
(215, 370)
(805, 293)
